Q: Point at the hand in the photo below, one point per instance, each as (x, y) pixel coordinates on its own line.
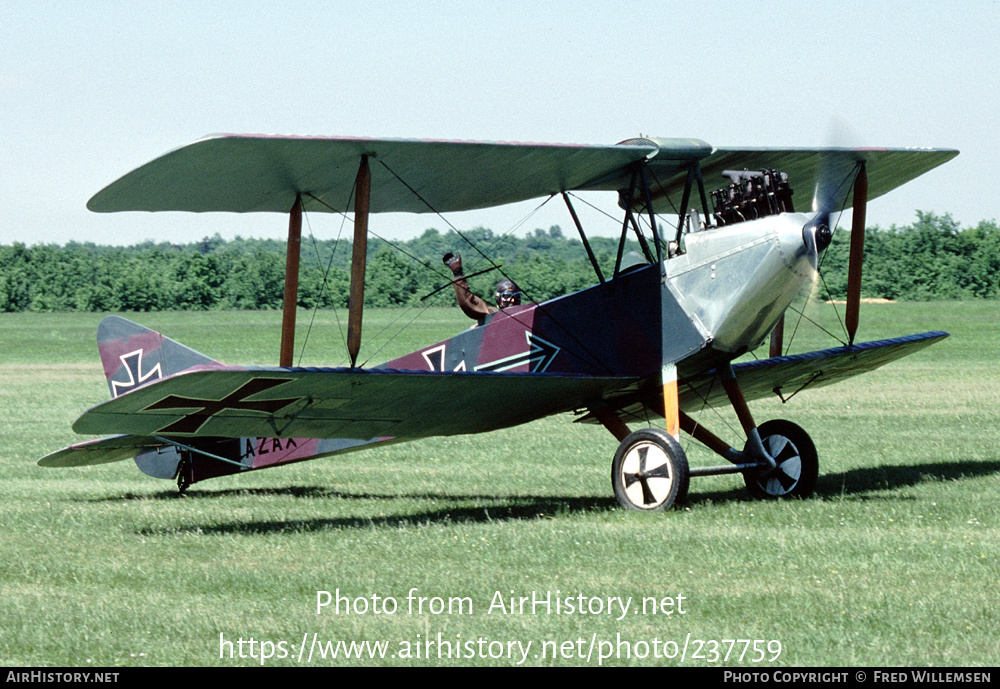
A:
(453, 261)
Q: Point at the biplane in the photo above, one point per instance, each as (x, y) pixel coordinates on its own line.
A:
(655, 338)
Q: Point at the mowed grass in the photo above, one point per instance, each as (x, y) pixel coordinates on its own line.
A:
(893, 562)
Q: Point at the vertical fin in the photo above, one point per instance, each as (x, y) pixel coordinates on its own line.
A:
(133, 355)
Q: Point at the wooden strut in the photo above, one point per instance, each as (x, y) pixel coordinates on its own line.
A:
(356, 302)
(755, 448)
(777, 337)
(857, 253)
(611, 421)
(618, 428)
(583, 238)
(291, 299)
(738, 401)
(671, 400)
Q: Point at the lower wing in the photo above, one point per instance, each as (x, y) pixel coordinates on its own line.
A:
(339, 403)
(783, 376)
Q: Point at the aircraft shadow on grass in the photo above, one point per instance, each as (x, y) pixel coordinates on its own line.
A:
(855, 484)
(507, 509)
(863, 482)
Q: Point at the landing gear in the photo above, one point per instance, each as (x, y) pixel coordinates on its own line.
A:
(184, 473)
(796, 464)
(650, 471)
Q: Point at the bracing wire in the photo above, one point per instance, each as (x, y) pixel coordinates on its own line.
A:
(596, 359)
(326, 276)
(392, 244)
(483, 256)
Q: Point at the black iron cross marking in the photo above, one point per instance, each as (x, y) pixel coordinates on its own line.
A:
(643, 476)
(206, 409)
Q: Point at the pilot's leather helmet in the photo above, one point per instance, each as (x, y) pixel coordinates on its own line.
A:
(508, 293)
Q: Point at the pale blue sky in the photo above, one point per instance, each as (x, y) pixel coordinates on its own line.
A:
(91, 90)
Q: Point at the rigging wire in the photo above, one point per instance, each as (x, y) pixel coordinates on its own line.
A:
(416, 259)
(392, 244)
(538, 306)
(440, 215)
(594, 359)
(326, 275)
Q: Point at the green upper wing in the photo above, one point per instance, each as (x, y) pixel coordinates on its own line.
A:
(265, 173)
(248, 173)
(887, 169)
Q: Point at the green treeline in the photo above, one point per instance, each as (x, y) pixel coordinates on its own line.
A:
(931, 259)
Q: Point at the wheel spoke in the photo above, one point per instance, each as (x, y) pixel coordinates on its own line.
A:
(794, 473)
(781, 448)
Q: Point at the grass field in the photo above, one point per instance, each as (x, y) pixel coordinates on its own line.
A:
(893, 562)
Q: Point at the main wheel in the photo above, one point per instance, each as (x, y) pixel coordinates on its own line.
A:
(797, 464)
(650, 471)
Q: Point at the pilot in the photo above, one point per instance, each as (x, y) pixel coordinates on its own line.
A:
(507, 292)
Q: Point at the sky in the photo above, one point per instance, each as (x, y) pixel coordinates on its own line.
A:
(90, 91)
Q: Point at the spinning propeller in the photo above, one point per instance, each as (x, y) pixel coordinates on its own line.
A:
(839, 170)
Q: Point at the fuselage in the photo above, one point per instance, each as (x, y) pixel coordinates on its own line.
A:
(718, 298)
(714, 301)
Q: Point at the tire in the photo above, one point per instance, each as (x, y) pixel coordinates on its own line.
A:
(650, 471)
(798, 466)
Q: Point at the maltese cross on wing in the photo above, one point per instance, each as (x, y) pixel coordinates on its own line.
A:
(234, 401)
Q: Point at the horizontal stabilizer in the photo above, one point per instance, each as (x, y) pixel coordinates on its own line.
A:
(102, 451)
